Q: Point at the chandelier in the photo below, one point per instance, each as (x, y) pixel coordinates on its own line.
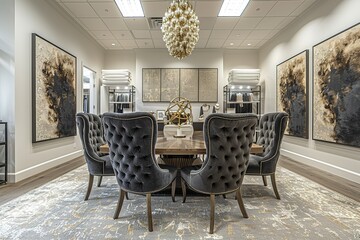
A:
(180, 29)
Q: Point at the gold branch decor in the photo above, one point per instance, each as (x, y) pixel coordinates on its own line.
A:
(180, 29)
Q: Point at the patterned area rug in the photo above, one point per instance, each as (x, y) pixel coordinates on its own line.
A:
(57, 211)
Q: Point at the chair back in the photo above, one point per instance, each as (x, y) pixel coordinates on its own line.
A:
(272, 127)
(91, 135)
(228, 140)
(131, 138)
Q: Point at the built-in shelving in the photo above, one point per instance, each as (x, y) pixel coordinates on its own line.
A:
(3, 153)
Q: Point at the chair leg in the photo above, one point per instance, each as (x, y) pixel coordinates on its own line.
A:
(119, 204)
(183, 189)
(148, 204)
(99, 181)
(264, 180)
(241, 204)
(127, 196)
(173, 189)
(212, 213)
(91, 180)
(273, 182)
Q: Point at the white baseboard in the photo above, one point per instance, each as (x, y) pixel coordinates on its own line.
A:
(31, 171)
(336, 170)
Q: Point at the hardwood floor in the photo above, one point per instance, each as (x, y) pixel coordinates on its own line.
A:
(343, 186)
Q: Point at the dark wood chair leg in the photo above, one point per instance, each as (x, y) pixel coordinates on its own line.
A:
(224, 196)
(127, 196)
(173, 189)
(273, 182)
(264, 180)
(119, 204)
(99, 181)
(241, 204)
(148, 205)
(91, 180)
(212, 213)
(183, 189)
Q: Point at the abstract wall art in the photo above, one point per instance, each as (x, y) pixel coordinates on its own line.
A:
(169, 84)
(336, 94)
(208, 85)
(189, 84)
(53, 91)
(292, 93)
(151, 85)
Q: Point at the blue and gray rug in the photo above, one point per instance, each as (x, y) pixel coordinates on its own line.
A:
(57, 211)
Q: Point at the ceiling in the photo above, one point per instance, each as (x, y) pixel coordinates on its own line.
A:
(261, 21)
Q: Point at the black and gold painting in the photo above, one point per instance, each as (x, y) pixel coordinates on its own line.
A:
(336, 97)
(292, 84)
(53, 91)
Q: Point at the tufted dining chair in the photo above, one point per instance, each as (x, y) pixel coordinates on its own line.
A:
(272, 127)
(228, 140)
(91, 135)
(131, 138)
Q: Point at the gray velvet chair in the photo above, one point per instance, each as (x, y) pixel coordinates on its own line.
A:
(272, 127)
(132, 138)
(91, 135)
(228, 140)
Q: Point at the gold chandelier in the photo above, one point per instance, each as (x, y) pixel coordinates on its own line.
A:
(180, 29)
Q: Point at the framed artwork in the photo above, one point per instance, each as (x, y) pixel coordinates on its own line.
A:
(169, 84)
(336, 94)
(160, 114)
(189, 84)
(53, 91)
(151, 85)
(208, 85)
(292, 93)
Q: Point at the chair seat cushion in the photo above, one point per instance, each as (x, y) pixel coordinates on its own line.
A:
(254, 164)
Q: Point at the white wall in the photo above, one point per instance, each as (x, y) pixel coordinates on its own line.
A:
(135, 61)
(320, 22)
(47, 20)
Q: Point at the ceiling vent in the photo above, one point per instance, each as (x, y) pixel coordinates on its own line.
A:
(155, 22)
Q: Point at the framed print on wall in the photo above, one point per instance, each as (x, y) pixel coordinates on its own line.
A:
(336, 94)
(292, 93)
(169, 84)
(208, 84)
(151, 85)
(189, 84)
(53, 91)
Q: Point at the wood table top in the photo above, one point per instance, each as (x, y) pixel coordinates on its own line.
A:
(183, 146)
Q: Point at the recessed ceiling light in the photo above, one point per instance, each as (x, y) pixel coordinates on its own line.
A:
(249, 44)
(113, 44)
(232, 8)
(130, 8)
(231, 44)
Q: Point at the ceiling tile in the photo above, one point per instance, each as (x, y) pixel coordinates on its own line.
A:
(73, 1)
(108, 44)
(98, 0)
(226, 22)
(258, 8)
(215, 43)
(258, 34)
(155, 9)
(239, 34)
(128, 44)
(137, 23)
(271, 34)
(207, 23)
(220, 34)
(102, 34)
(81, 9)
(115, 23)
(252, 43)
(106, 9)
(204, 34)
(93, 23)
(123, 35)
(144, 43)
(208, 8)
(201, 43)
(285, 22)
(284, 8)
(159, 43)
(156, 34)
(141, 33)
(270, 22)
(305, 5)
(247, 23)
